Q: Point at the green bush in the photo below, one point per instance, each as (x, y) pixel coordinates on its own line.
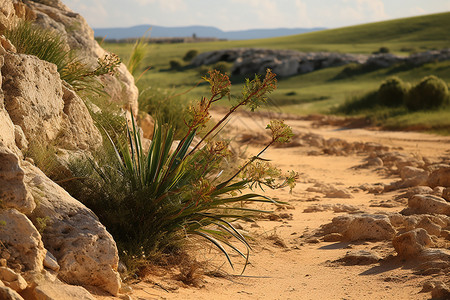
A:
(190, 55)
(430, 93)
(222, 67)
(175, 64)
(152, 199)
(393, 92)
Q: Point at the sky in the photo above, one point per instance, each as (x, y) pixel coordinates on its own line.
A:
(250, 14)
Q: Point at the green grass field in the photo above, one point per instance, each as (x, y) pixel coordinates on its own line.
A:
(319, 91)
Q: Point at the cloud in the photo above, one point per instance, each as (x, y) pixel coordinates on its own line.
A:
(165, 5)
(302, 14)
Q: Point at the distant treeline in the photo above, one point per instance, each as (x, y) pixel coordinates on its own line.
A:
(162, 40)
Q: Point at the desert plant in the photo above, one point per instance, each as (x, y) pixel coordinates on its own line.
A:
(430, 93)
(190, 55)
(50, 46)
(151, 200)
(392, 92)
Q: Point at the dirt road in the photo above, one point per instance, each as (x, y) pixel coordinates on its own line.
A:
(340, 174)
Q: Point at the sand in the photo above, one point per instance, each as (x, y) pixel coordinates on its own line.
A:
(287, 260)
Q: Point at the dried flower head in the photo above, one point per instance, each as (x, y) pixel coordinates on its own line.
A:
(220, 84)
(281, 133)
(255, 91)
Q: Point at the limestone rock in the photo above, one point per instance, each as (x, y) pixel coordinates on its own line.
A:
(412, 243)
(33, 96)
(21, 139)
(288, 62)
(12, 280)
(85, 251)
(440, 177)
(147, 123)
(417, 176)
(361, 227)
(49, 291)
(427, 204)
(431, 227)
(79, 128)
(80, 37)
(446, 194)
(50, 262)
(7, 14)
(13, 192)
(22, 240)
(361, 257)
(7, 293)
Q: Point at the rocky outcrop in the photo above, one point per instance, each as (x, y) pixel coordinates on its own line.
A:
(289, 62)
(22, 241)
(80, 37)
(85, 251)
(43, 229)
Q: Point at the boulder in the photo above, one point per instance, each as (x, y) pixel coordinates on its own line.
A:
(12, 280)
(440, 177)
(85, 251)
(22, 240)
(58, 291)
(7, 293)
(13, 191)
(360, 257)
(412, 243)
(361, 227)
(33, 96)
(427, 204)
(46, 111)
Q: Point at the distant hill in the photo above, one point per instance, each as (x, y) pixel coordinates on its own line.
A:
(199, 31)
(425, 31)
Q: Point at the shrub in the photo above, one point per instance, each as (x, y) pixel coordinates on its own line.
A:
(222, 67)
(50, 46)
(152, 200)
(392, 92)
(175, 64)
(430, 93)
(190, 55)
(165, 106)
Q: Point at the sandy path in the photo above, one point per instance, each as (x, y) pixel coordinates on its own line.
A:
(286, 263)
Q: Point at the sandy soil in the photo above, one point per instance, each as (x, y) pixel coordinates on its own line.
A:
(287, 262)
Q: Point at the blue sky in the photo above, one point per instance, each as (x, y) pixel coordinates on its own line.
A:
(250, 14)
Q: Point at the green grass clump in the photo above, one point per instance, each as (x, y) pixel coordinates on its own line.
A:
(152, 199)
(430, 93)
(50, 46)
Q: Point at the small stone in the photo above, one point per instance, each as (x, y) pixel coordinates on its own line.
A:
(361, 257)
(412, 243)
(313, 240)
(12, 280)
(333, 237)
(50, 262)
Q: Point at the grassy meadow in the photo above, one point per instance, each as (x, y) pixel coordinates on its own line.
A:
(320, 91)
